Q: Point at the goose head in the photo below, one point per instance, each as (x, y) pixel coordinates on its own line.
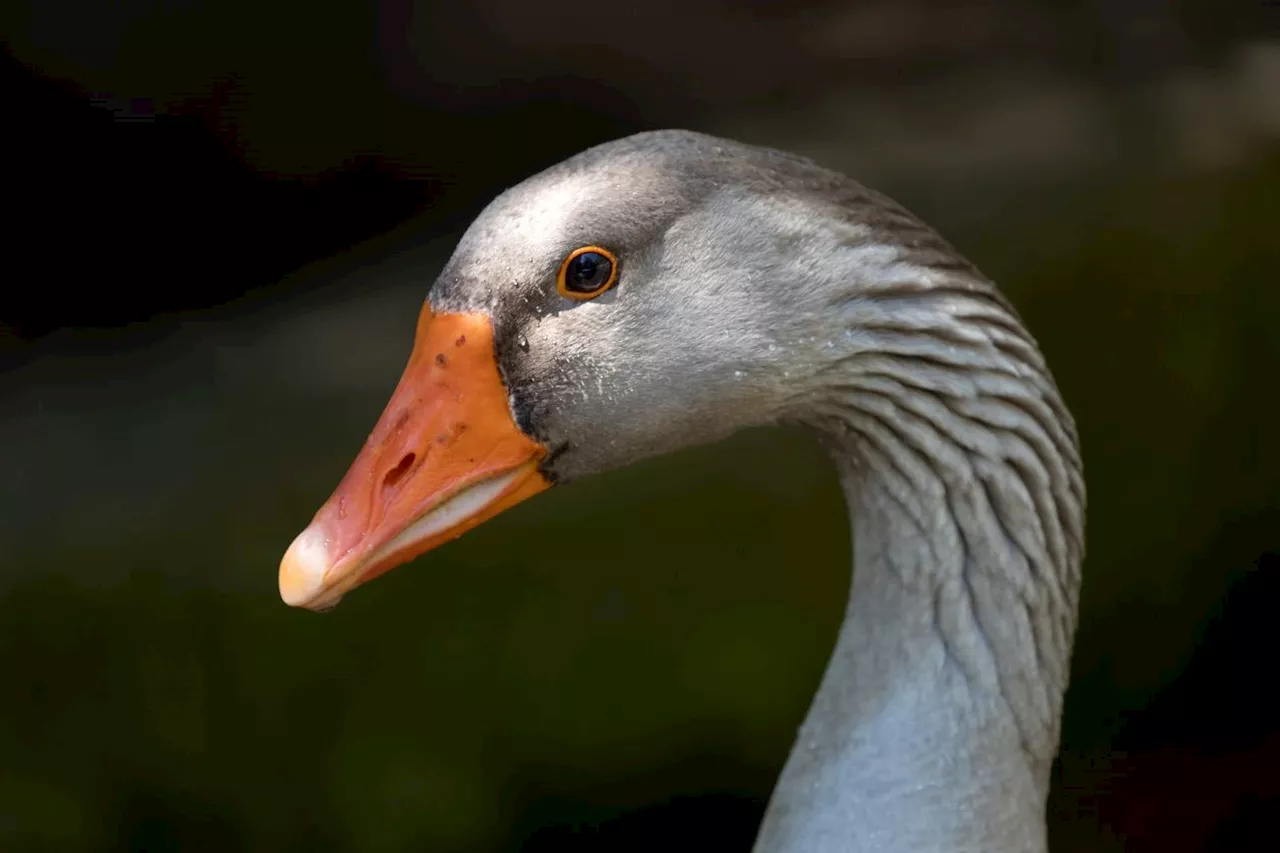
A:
(652, 293)
(669, 288)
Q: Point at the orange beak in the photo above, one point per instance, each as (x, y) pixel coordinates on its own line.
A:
(445, 456)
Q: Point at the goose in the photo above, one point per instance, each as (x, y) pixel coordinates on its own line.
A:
(669, 288)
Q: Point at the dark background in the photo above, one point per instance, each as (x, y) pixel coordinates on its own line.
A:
(221, 219)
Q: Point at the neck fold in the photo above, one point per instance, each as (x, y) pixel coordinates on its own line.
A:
(937, 720)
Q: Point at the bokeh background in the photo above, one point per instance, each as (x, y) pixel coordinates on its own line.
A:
(221, 221)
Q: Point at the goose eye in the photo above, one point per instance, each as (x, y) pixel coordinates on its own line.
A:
(587, 272)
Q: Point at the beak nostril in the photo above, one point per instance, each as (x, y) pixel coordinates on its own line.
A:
(396, 474)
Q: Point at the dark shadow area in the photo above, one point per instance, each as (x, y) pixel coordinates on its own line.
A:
(705, 822)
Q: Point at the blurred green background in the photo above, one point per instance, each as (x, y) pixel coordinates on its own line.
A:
(622, 662)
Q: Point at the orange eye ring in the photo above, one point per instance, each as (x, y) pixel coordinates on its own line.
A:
(571, 289)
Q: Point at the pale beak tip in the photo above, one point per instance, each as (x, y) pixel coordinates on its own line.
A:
(303, 569)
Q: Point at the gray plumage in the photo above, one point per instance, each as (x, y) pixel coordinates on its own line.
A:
(756, 287)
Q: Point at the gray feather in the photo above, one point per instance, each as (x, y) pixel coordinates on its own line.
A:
(757, 287)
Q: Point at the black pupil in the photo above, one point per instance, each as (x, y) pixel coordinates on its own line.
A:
(587, 272)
